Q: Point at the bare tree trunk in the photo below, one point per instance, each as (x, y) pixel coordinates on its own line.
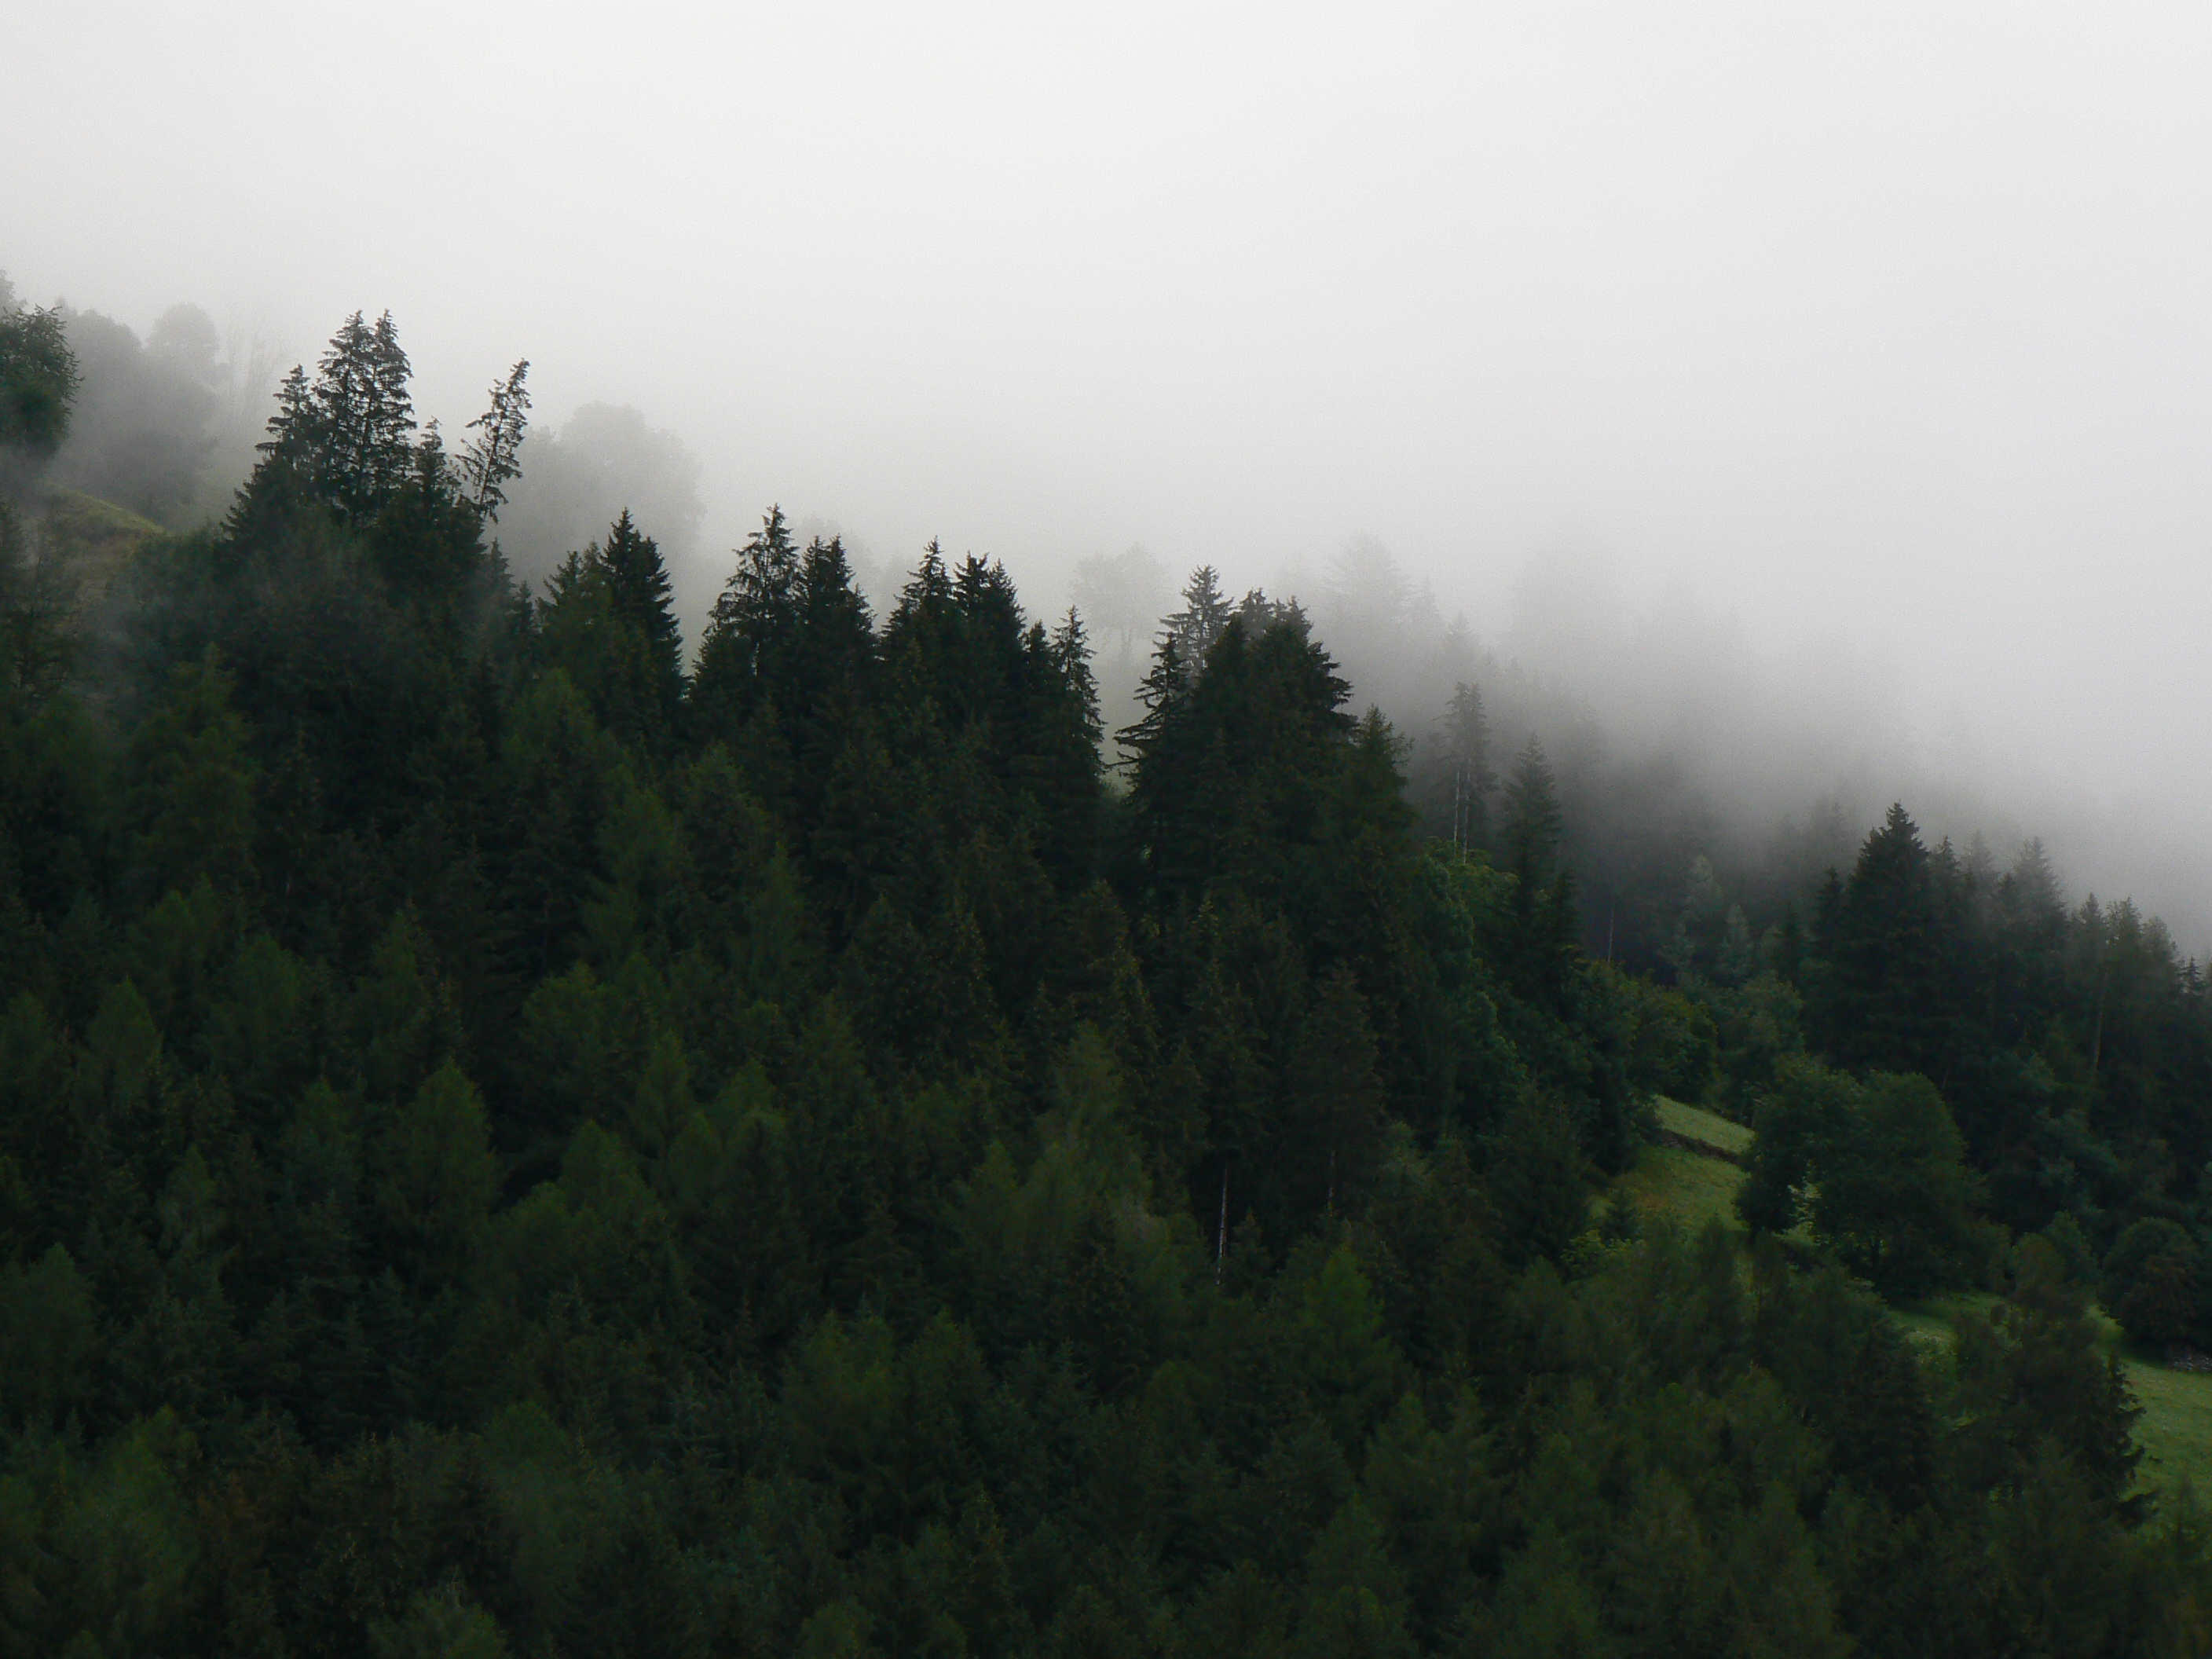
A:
(2097, 1036)
(1221, 1238)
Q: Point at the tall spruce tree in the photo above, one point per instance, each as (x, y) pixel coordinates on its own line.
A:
(491, 459)
(638, 596)
(754, 620)
(1539, 932)
(1465, 780)
(345, 440)
(1206, 612)
(1886, 996)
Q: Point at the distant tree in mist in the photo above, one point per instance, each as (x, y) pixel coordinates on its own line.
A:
(1367, 591)
(603, 461)
(148, 415)
(38, 377)
(1534, 825)
(1376, 617)
(1460, 786)
(2038, 892)
(1122, 593)
(1540, 917)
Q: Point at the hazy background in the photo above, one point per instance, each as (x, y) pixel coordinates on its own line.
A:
(1826, 392)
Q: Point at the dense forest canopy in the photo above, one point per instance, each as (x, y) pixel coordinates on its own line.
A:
(517, 1136)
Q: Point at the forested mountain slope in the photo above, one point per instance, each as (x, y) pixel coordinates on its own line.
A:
(508, 1144)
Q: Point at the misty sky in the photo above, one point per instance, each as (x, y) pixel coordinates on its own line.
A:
(1885, 331)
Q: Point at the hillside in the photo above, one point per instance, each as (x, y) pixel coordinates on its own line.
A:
(94, 539)
(520, 1137)
(1691, 1186)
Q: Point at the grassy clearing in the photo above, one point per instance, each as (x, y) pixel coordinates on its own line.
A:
(95, 539)
(2175, 1429)
(1929, 1321)
(1683, 1186)
(1708, 1128)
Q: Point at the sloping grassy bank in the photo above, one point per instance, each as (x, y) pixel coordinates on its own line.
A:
(1691, 1186)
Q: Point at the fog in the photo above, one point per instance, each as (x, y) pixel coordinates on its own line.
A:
(1821, 395)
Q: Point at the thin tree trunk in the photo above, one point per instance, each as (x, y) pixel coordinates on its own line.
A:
(1221, 1238)
(2097, 1036)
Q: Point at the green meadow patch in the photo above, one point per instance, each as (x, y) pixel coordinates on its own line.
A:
(1694, 1123)
(1689, 1188)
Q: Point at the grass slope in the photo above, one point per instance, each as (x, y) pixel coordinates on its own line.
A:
(1706, 1128)
(1684, 1187)
(2175, 1431)
(94, 539)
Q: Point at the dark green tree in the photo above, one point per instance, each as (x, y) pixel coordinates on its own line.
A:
(491, 460)
(1539, 928)
(1876, 1169)
(1885, 995)
(345, 440)
(1464, 780)
(39, 380)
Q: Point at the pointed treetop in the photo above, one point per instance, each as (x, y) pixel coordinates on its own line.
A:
(345, 438)
(1532, 796)
(488, 461)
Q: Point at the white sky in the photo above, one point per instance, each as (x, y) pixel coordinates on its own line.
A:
(1893, 323)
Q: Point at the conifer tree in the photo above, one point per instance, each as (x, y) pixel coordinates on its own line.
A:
(1333, 1130)
(638, 596)
(343, 441)
(192, 797)
(1178, 655)
(1206, 612)
(1539, 932)
(1468, 779)
(822, 679)
(490, 461)
(1534, 823)
(1884, 994)
(754, 618)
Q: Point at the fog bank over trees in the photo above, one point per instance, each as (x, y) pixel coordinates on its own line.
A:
(578, 478)
(1882, 331)
(1678, 730)
(520, 1134)
(1677, 735)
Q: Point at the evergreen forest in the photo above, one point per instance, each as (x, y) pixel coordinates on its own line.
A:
(524, 1134)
